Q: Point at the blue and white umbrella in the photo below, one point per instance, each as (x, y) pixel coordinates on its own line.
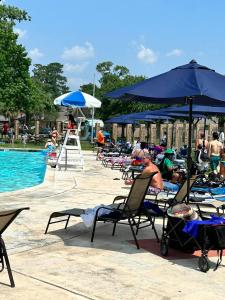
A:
(77, 99)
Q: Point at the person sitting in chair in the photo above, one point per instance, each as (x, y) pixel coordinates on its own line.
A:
(167, 167)
(157, 182)
(140, 153)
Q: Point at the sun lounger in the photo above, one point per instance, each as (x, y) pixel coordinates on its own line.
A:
(127, 209)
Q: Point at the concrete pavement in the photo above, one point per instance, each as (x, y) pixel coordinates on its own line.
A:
(66, 265)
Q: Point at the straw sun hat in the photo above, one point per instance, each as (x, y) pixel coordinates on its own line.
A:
(182, 211)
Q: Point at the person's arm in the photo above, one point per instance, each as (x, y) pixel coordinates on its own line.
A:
(209, 149)
(221, 149)
(196, 144)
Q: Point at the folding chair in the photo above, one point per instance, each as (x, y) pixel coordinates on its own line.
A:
(6, 218)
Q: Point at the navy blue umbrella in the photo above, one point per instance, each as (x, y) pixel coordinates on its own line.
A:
(208, 110)
(119, 120)
(134, 117)
(188, 84)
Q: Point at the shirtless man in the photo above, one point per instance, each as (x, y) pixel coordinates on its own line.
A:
(214, 152)
(201, 141)
(157, 182)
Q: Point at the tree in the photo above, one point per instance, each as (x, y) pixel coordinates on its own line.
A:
(51, 78)
(14, 63)
(47, 84)
(113, 77)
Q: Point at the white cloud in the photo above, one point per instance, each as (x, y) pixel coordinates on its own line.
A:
(175, 52)
(75, 83)
(35, 54)
(20, 32)
(76, 68)
(79, 52)
(146, 55)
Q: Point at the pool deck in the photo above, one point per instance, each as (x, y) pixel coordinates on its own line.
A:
(66, 265)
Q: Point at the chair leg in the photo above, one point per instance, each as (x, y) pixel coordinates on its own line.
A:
(152, 222)
(5, 256)
(49, 220)
(154, 229)
(93, 230)
(139, 218)
(67, 222)
(132, 229)
(114, 228)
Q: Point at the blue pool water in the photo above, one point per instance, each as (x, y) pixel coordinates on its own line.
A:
(21, 169)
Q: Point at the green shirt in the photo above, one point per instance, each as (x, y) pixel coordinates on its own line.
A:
(167, 164)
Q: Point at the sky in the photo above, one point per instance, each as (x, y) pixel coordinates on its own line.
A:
(148, 37)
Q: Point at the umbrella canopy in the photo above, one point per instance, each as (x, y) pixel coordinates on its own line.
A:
(204, 85)
(188, 84)
(120, 120)
(208, 110)
(77, 99)
(141, 116)
(177, 113)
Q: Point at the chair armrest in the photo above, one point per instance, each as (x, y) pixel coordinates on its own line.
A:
(117, 198)
(107, 208)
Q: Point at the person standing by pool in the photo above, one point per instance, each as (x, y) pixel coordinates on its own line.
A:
(5, 129)
(100, 138)
(11, 135)
(50, 145)
(215, 152)
(54, 135)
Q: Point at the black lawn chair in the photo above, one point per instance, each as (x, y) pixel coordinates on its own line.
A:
(128, 209)
(6, 218)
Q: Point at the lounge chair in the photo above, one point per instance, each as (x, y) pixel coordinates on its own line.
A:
(128, 209)
(6, 218)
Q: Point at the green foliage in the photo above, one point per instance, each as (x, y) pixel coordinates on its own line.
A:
(14, 63)
(47, 84)
(51, 78)
(114, 77)
(12, 14)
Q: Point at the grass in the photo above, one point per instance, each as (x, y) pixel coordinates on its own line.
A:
(20, 145)
(85, 145)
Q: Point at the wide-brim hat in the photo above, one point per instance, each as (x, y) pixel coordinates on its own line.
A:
(182, 211)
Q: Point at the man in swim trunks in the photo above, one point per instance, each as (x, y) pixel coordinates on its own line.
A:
(214, 152)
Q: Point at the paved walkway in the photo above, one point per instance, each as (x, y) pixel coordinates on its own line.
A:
(65, 265)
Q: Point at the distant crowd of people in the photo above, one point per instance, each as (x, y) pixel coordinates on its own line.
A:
(208, 154)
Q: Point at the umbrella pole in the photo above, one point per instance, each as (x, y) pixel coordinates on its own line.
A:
(204, 127)
(172, 138)
(148, 127)
(92, 125)
(189, 160)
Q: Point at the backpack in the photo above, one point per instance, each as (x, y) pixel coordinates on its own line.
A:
(203, 153)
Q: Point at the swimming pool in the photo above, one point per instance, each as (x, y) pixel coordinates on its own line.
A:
(21, 169)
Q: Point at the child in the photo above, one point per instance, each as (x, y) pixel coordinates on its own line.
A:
(50, 145)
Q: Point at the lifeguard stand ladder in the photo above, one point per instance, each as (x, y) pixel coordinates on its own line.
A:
(70, 155)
